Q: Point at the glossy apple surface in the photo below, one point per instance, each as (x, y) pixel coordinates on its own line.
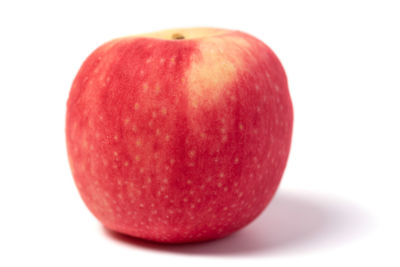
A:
(181, 135)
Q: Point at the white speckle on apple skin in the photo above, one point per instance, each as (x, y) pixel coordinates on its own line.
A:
(138, 142)
(192, 153)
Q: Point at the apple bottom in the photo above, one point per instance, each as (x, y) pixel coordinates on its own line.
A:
(188, 230)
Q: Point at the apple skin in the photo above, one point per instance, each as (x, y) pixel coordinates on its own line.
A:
(179, 140)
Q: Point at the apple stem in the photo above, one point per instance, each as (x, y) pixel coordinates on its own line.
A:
(178, 36)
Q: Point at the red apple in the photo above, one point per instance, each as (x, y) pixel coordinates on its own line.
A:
(181, 135)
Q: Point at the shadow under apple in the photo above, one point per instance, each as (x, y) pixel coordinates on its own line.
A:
(290, 224)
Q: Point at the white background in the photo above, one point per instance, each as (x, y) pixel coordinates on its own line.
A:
(338, 204)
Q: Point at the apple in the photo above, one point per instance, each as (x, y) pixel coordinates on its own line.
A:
(180, 135)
